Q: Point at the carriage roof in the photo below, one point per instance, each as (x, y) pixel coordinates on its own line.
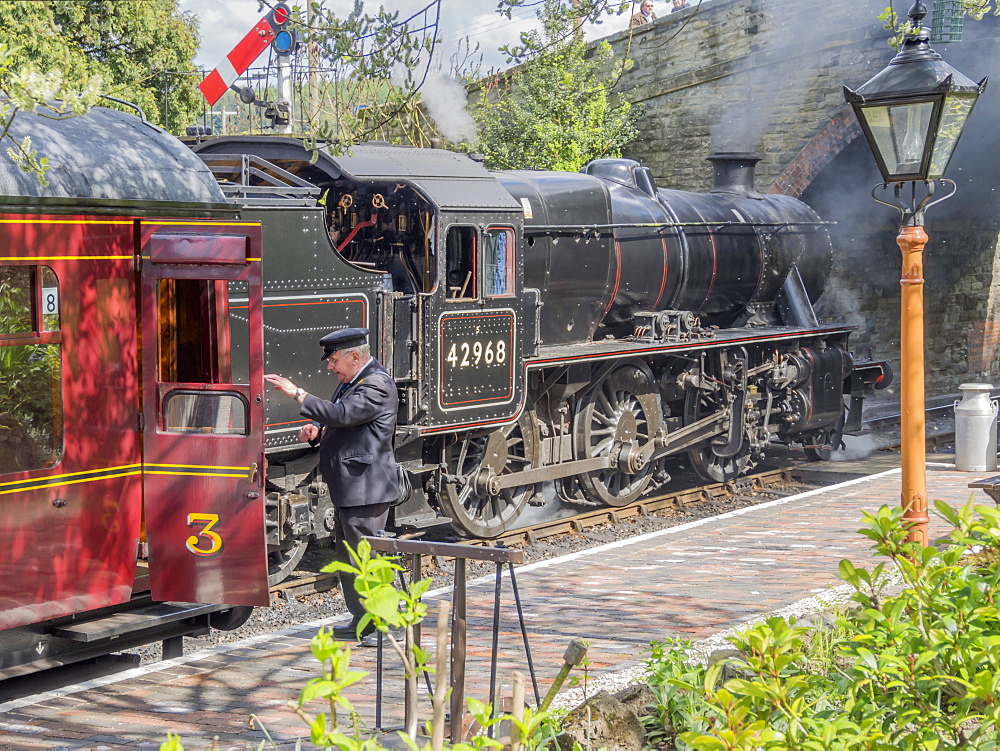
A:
(105, 154)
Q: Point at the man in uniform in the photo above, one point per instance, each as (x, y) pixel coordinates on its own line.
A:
(355, 429)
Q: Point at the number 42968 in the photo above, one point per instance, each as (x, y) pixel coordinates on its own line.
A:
(471, 354)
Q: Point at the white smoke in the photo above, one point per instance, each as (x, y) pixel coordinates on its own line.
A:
(445, 101)
(856, 447)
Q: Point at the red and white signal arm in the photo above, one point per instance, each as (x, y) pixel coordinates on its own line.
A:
(243, 54)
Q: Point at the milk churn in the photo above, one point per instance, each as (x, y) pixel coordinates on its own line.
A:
(976, 429)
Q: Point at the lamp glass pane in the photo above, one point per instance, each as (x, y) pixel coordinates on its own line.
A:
(954, 113)
(900, 134)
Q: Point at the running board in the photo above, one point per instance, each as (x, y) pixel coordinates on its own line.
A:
(133, 621)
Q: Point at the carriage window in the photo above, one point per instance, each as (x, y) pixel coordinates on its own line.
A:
(15, 300)
(205, 412)
(461, 263)
(498, 264)
(31, 423)
(194, 333)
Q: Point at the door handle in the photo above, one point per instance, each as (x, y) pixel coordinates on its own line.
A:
(252, 474)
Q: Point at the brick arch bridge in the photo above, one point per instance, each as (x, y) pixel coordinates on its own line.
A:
(766, 76)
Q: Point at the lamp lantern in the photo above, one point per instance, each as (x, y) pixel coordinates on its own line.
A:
(912, 112)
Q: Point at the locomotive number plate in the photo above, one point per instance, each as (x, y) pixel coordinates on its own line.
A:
(477, 357)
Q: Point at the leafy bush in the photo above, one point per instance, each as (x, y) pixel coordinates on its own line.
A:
(919, 669)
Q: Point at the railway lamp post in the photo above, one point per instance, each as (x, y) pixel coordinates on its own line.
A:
(912, 114)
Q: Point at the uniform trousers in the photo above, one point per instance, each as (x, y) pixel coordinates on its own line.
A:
(351, 523)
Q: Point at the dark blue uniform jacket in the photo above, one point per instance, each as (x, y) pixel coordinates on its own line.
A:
(355, 451)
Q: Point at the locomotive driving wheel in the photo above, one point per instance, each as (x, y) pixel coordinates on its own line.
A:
(282, 559)
(819, 446)
(618, 417)
(470, 495)
(710, 466)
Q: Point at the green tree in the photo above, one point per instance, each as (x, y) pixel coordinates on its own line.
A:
(141, 51)
(900, 27)
(555, 110)
(372, 66)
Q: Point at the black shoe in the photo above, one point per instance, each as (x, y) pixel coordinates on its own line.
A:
(350, 631)
(371, 639)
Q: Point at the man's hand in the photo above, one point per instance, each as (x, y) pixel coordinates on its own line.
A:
(281, 384)
(309, 432)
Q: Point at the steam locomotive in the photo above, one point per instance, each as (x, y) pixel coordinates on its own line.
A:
(574, 332)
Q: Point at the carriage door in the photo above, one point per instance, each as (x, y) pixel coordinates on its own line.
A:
(203, 413)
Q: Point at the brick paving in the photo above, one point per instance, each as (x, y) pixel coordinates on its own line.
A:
(692, 581)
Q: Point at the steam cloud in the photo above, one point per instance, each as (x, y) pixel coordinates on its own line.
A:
(855, 447)
(445, 100)
(790, 63)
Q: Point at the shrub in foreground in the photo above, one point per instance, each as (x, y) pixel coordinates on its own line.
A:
(915, 670)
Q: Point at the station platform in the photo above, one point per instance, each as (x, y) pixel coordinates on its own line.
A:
(692, 581)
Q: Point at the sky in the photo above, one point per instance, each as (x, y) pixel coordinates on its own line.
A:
(225, 22)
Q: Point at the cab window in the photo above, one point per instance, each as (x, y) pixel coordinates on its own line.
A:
(498, 261)
(31, 423)
(460, 272)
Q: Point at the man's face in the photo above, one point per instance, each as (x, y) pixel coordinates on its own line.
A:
(647, 7)
(344, 366)
(678, 3)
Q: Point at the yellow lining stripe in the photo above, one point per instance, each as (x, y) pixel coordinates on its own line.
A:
(199, 474)
(66, 258)
(77, 474)
(128, 470)
(56, 482)
(193, 466)
(201, 224)
(67, 221)
(206, 263)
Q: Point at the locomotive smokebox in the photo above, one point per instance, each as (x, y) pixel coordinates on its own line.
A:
(734, 173)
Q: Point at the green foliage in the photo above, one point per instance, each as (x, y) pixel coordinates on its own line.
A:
(979, 8)
(679, 688)
(556, 110)
(123, 47)
(373, 62)
(387, 607)
(567, 16)
(891, 21)
(915, 670)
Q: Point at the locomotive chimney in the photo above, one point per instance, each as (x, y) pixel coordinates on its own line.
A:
(734, 173)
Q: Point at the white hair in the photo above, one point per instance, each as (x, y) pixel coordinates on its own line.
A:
(362, 349)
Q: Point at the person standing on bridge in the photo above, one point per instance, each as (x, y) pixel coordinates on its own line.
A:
(355, 429)
(644, 16)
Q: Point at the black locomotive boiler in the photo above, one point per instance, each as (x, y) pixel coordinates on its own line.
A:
(577, 331)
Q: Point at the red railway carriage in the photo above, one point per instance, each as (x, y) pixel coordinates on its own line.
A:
(130, 442)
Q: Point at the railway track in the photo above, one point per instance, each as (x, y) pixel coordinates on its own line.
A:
(796, 477)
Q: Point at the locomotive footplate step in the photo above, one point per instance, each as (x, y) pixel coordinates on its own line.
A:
(141, 619)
